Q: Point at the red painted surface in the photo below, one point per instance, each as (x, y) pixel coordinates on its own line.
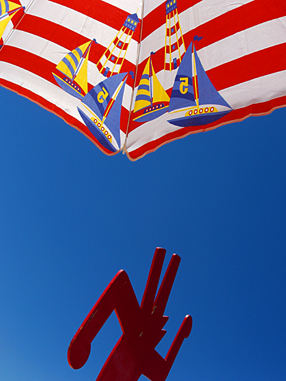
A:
(142, 327)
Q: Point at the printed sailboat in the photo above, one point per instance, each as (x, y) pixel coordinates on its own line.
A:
(72, 71)
(101, 111)
(7, 11)
(194, 100)
(151, 99)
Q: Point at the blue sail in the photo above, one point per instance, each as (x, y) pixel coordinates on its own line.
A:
(112, 120)
(207, 92)
(144, 88)
(103, 101)
(183, 81)
(5, 9)
(99, 96)
(211, 105)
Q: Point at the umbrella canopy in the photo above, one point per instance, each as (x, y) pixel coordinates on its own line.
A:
(154, 71)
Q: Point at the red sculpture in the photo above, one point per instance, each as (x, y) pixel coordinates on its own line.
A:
(134, 353)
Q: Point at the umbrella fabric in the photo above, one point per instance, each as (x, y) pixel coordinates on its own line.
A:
(153, 71)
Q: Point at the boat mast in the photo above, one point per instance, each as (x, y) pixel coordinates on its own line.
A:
(195, 78)
(113, 99)
(82, 60)
(9, 13)
(151, 79)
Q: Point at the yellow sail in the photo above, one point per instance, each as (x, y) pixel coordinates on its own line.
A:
(81, 77)
(3, 7)
(159, 94)
(4, 12)
(8, 6)
(71, 65)
(12, 5)
(3, 25)
(143, 97)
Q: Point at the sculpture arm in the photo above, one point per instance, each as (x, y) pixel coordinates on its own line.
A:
(118, 296)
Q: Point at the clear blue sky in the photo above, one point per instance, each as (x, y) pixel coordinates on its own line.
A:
(71, 217)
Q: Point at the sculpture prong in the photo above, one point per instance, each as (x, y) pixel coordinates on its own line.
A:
(166, 285)
(153, 280)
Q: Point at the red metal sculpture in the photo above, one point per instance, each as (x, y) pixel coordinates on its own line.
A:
(134, 353)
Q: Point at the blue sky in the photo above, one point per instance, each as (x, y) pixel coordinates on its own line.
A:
(71, 217)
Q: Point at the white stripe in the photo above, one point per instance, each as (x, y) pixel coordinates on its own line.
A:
(149, 6)
(37, 45)
(129, 6)
(39, 86)
(82, 24)
(256, 91)
(26, 3)
(55, 53)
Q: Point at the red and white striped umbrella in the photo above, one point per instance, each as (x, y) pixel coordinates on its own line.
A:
(133, 75)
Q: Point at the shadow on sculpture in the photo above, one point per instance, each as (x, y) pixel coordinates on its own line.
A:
(134, 354)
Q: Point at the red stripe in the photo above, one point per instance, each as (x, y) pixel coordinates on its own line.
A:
(101, 11)
(234, 116)
(99, 66)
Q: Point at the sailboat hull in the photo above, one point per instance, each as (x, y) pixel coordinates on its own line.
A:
(69, 86)
(151, 112)
(198, 117)
(94, 129)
